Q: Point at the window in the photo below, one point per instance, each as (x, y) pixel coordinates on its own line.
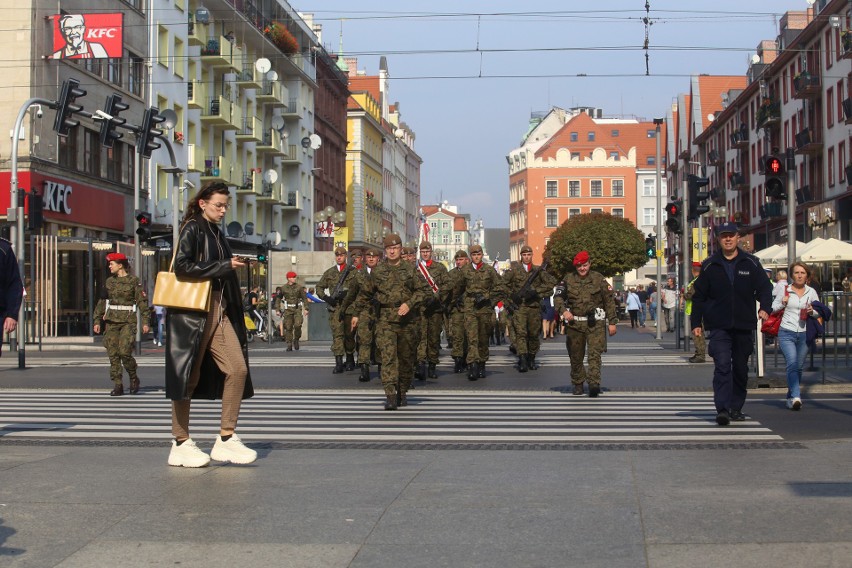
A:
(615, 156)
(831, 167)
(179, 59)
(597, 188)
(551, 188)
(93, 66)
(650, 160)
(648, 186)
(574, 137)
(572, 212)
(457, 238)
(68, 150)
(113, 71)
(575, 155)
(574, 188)
(618, 212)
(839, 91)
(595, 210)
(841, 162)
(652, 133)
(445, 239)
(163, 46)
(445, 225)
(618, 188)
(433, 225)
(552, 218)
(649, 216)
(591, 136)
(614, 133)
(829, 107)
(135, 74)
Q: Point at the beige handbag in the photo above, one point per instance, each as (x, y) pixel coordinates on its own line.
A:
(181, 293)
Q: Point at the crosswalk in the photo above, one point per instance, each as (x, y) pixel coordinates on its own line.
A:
(346, 417)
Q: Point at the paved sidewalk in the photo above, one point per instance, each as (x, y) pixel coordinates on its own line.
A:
(780, 505)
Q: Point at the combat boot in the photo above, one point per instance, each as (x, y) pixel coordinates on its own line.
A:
(522, 364)
(531, 362)
(296, 344)
(512, 349)
(482, 370)
(473, 371)
(390, 403)
(403, 399)
(594, 390)
(578, 389)
(134, 385)
(433, 374)
(420, 371)
(365, 373)
(289, 347)
(338, 364)
(350, 362)
(117, 390)
(457, 368)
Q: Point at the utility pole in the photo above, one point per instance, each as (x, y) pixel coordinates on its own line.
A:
(791, 207)
(659, 190)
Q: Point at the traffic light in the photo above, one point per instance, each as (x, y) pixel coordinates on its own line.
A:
(651, 246)
(143, 231)
(146, 141)
(673, 222)
(261, 254)
(776, 183)
(66, 107)
(697, 196)
(35, 218)
(114, 107)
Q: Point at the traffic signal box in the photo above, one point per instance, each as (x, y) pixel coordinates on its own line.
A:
(146, 142)
(776, 178)
(143, 230)
(67, 106)
(113, 108)
(673, 223)
(651, 246)
(698, 195)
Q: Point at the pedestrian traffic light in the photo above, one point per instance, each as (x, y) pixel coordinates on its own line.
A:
(261, 254)
(143, 231)
(776, 182)
(66, 107)
(35, 217)
(146, 141)
(673, 223)
(112, 109)
(697, 196)
(651, 246)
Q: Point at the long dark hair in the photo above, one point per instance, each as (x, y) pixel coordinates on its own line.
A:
(206, 192)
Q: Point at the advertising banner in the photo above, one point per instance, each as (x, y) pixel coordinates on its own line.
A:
(88, 36)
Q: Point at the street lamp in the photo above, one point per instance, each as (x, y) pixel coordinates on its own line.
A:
(327, 222)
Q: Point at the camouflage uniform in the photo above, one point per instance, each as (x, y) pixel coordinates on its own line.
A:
(455, 316)
(700, 341)
(121, 298)
(343, 339)
(292, 303)
(583, 295)
(526, 309)
(432, 317)
(366, 314)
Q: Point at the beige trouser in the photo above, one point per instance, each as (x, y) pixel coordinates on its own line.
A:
(220, 340)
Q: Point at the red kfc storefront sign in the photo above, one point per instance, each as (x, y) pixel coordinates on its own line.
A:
(88, 36)
(68, 202)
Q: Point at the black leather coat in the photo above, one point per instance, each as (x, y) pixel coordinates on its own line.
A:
(184, 328)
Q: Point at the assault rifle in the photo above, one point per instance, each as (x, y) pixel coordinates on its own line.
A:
(522, 294)
(336, 295)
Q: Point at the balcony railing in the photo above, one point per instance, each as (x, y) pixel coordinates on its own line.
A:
(739, 139)
(771, 210)
(847, 110)
(806, 86)
(769, 114)
(806, 144)
(738, 180)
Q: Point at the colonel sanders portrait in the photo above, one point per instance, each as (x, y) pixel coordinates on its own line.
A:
(73, 28)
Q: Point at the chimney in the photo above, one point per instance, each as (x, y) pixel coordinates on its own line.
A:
(767, 51)
(794, 20)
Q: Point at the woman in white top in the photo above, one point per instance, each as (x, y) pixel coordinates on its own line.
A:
(633, 307)
(796, 300)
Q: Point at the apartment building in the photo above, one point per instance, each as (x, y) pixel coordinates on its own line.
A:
(449, 230)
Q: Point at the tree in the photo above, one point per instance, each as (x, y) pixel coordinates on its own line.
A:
(614, 244)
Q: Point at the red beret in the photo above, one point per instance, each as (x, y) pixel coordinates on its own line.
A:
(116, 256)
(291, 274)
(696, 265)
(581, 258)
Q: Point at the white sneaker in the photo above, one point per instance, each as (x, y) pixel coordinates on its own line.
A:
(794, 403)
(233, 451)
(187, 455)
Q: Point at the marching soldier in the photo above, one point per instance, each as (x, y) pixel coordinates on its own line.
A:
(366, 327)
(332, 288)
(482, 288)
(588, 303)
(455, 308)
(526, 285)
(432, 318)
(399, 293)
(122, 296)
(293, 306)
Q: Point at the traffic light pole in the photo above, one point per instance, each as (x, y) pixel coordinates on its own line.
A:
(791, 207)
(659, 250)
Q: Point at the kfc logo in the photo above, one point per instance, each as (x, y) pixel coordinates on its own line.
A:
(88, 36)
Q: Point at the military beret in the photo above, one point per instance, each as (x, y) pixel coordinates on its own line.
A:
(372, 252)
(408, 250)
(391, 240)
(291, 274)
(355, 252)
(340, 250)
(425, 245)
(474, 248)
(460, 254)
(116, 256)
(581, 258)
(696, 265)
(526, 248)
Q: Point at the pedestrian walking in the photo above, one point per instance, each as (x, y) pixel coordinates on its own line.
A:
(11, 289)
(160, 321)
(797, 300)
(633, 308)
(668, 297)
(293, 306)
(121, 298)
(332, 288)
(700, 341)
(643, 304)
(207, 352)
(730, 282)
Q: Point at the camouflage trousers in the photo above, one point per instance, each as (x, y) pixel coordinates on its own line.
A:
(396, 347)
(342, 336)
(118, 340)
(513, 335)
(430, 337)
(578, 335)
(527, 322)
(456, 329)
(477, 326)
(700, 345)
(366, 332)
(291, 321)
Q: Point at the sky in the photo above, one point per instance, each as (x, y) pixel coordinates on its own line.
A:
(468, 73)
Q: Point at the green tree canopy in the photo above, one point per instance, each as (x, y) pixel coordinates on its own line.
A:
(615, 245)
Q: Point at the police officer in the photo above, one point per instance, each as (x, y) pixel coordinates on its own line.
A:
(454, 303)
(122, 296)
(332, 288)
(432, 317)
(482, 288)
(526, 285)
(293, 306)
(399, 292)
(11, 288)
(700, 341)
(588, 303)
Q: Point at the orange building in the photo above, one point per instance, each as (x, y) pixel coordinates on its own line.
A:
(575, 162)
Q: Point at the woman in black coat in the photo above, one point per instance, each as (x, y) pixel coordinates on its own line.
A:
(206, 352)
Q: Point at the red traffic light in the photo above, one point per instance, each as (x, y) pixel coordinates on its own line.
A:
(673, 209)
(774, 166)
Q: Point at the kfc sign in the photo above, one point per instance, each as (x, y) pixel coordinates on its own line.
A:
(57, 197)
(88, 36)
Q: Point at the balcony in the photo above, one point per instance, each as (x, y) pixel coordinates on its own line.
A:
(806, 86)
(714, 158)
(772, 210)
(848, 171)
(739, 181)
(293, 200)
(807, 146)
(222, 54)
(220, 112)
(250, 78)
(846, 48)
(251, 184)
(270, 192)
(292, 109)
(803, 195)
(216, 168)
(251, 131)
(291, 155)
(769, 114)
(196, 33)
(194, 159)
(270, 93)
(739, 139)
(847, 110)
(270, 143)
(196, 94)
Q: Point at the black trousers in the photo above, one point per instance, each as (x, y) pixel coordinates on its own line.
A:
(730, 349)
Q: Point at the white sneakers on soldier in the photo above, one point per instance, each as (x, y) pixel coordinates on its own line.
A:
(233, 451)
(794, 403)
(187, 455)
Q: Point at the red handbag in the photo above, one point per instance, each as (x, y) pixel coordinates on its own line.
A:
(773, 323)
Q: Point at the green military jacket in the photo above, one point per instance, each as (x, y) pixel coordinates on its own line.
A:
(439, 274)
(516, 277)
(292, 297)
(121, 298)
(391, 285)
(328, 282)
(482, 288)
(367, 310)
(586, 294)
